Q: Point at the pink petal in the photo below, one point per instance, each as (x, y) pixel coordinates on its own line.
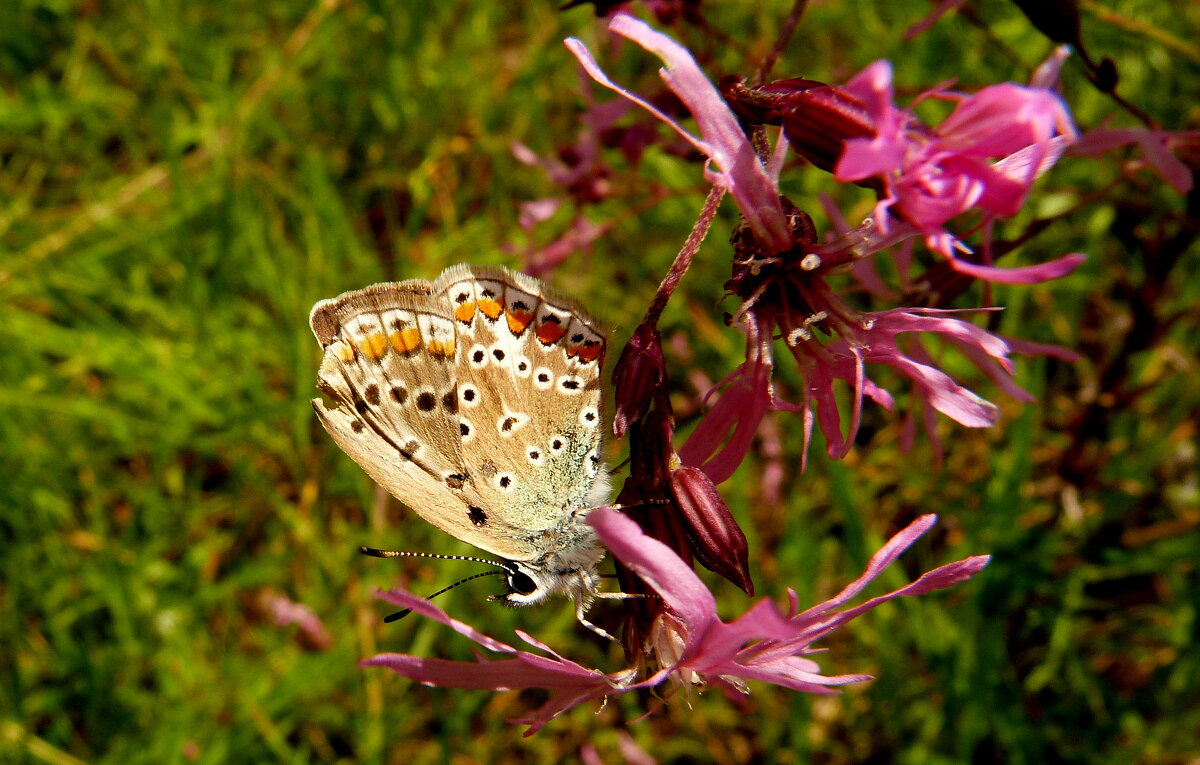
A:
(1001, 119)
(675, 582)
(1022, 275)
(1155, 146)
(484, 674)
(939, 578)
(1031, 348)
(398, 597)
(1046, 74)
(879, 561)
(945, 395)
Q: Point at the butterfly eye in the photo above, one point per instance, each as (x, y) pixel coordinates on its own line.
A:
(521, 583)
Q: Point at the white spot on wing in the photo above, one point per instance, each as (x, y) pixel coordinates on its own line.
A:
(469, 395)
(505, 482)
(477, 357)
(589, 417)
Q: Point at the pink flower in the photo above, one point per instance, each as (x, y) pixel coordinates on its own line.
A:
(763, 644)
(984, 156)
(285, 612)
(689, 645)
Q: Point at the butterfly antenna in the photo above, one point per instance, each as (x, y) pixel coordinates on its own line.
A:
(401, 614)
(500, 567)
(406, 554)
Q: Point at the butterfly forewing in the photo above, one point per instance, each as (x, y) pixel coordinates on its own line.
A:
(389, 365)
(475, 400)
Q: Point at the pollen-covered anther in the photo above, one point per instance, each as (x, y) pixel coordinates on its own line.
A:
(804, 333)
(810, 262)
(798, 335)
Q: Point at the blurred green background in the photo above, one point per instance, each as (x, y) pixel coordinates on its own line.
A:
(179, 182)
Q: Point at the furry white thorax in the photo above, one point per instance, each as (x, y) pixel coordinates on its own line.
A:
(568, 570)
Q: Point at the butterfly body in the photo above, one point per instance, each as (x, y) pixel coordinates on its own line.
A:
(475, 399)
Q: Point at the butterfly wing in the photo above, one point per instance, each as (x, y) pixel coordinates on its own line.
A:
(389, 366)
(528, 367)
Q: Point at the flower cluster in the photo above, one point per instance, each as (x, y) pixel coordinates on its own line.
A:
(688, 644)
(812, 294)
(983, 158)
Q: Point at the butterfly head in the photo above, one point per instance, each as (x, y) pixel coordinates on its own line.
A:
(571, 573)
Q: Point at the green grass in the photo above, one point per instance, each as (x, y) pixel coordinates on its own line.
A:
(180, 182)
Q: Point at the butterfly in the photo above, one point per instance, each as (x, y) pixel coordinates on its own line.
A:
(475, 400)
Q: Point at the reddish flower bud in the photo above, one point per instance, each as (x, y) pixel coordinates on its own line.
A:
(717, 541)
(817, 118)
(638, 376)
(819, 121)
(762, 105)
(651, 452)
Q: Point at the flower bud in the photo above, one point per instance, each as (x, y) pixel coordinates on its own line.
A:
(651, 452)
(717, 541)
(761, 105)
(819, 121)
(638, 376)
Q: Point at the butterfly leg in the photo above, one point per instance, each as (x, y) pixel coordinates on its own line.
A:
(581, 606)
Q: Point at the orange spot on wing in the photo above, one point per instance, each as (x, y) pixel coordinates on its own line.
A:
(374, 345)
(589, 353)
(518, 321)
(406, 339)
(440, 347)
(465, 312)
(490, 308)
(550, 333)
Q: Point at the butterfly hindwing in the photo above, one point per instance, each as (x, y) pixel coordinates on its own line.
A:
(529, 394)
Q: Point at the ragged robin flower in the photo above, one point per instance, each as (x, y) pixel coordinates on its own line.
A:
(689, 645)
(788, 280)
